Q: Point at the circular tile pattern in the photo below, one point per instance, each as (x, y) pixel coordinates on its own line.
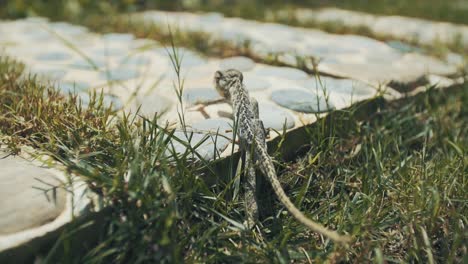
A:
(54, 56)
(68, 29)
(302, 101)
(92, 64)
(49, 73)
(342, 86)
(203, 144)
(24, 202)
(200, 95)
(118, 37)
(73, 87)
(282, 72)
(119, 74)
(189, 59)
(212, 18)
(151, 104)
(275, 117)
(239, 63)
(37, 35)
(136, 60)
(403, 47)
(215, 125)
(109, 52)
(255, 83)
(232, 36)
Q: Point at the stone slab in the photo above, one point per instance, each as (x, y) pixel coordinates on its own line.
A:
(347, 56)
(29, 196)
(137, 74)
(399, 27)
(36, 200)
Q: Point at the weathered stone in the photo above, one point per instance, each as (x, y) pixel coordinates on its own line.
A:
(91, 64)
(403, 47)
(109, 52)
(328, 85)
(398, 27)
(48, 73)
(222, 126)
(73, 87)
(151, 104)
(29, 196)
(118, 38)
(302, 101)
(208, 138)
(119, 74)
(189, 58)
(275, 117)
(282, 72)
(138, 60)
(242, 64)
(63, 28)
(53, 56)
(348, 56)
(200, 95)
(253, 83)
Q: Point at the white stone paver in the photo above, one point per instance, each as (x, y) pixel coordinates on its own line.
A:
(303, 101)
(201, 95)
(36, 200)
(28, 198)
(348, 56)
(132, 77)
(404, 28)
(138, 73)
(239, 63)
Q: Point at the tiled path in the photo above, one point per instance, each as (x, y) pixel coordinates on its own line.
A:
(347, 56)
(133, 72)
(405, 28)
(35, 200)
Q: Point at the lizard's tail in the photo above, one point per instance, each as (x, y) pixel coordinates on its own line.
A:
(269, 171)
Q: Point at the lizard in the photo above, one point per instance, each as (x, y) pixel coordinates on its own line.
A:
(229, 84)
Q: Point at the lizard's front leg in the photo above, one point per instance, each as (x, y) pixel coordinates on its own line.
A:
(250, 186)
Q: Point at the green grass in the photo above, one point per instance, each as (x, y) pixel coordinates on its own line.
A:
(398, 179)
(394, 179)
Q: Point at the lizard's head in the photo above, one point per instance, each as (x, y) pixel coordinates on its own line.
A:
(224, 80)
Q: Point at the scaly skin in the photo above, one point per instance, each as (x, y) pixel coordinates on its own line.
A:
(229, 84)
(251, 204)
